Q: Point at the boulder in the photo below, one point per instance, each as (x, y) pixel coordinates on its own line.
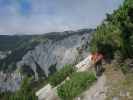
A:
(47, 93)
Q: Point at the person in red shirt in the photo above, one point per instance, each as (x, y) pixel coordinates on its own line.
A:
(97, 61)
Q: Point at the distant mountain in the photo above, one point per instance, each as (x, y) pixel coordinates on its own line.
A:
(20, 45)
(40, 55)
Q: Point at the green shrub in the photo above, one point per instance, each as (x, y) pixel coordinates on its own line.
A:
(78, 82)
(115, 33)
(26, 92)
(60, 75)
(125, 68)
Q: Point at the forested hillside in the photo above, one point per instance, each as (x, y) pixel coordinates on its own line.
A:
(18, 45)
(8, 42)
(114, 37)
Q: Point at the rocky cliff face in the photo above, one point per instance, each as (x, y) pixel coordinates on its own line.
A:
(10, 81)
(63, 48)
(40, 55)
(4, 54)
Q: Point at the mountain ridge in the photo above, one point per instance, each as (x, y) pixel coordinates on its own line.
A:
(35, 54)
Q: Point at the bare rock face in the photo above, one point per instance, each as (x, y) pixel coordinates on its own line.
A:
(61, 51)
(85, 64)
(47, 93)
(10, 81)
(4, 54)
(69, 56)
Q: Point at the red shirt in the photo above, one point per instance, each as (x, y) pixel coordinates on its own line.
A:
(96, 57)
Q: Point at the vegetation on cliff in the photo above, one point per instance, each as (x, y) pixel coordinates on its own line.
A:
(78, 82)
(115, 34)
(61, 75)
(26, 92)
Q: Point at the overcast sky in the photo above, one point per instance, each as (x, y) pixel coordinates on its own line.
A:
(41, 16)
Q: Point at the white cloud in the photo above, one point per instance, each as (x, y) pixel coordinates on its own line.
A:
(54, 15)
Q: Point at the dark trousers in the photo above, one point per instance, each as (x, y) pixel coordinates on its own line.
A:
(98, 68)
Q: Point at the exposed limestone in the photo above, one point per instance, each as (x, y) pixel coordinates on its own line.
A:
(56, 52)
(10, 81)
(84, 65)
(47, 93)
(4, 54)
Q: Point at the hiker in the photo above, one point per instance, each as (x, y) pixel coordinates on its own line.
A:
(96, 58)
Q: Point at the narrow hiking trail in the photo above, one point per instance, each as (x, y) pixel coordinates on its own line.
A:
(120, 86)
(110, 86)
(95, 92)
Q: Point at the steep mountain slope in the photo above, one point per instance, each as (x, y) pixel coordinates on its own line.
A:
(59, 50)
(41, 55)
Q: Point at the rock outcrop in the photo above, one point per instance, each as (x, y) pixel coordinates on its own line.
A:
(59, 50)
(10, 81)
(47, 93)
(84, 65)
(4, 54)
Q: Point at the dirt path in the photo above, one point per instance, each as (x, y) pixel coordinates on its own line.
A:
(96, 92)
(112, 85)
(120, 85)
